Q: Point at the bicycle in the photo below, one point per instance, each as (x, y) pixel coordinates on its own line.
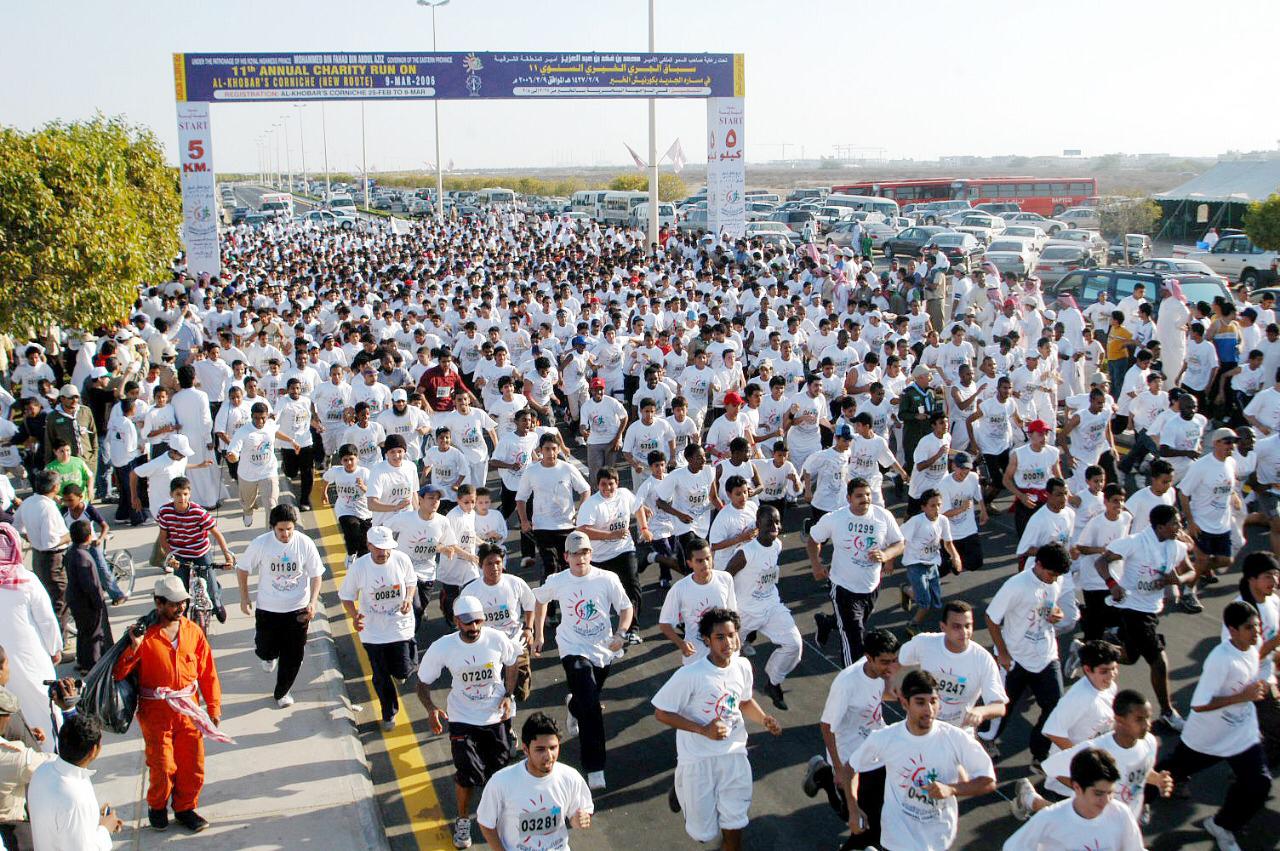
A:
(122, 569)
(200, 609)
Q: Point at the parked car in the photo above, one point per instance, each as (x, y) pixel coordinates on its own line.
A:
(1177, 265)
(981, 225)
(932, 212)
(1090, 240)
(842, 232)
(758, 210)
(960, 248)
(1086, 218)
(999, 208)
(1049, 226)
(795, 219)
(328, 218)
(1138, 248)
(256, 220)
(882, 231)
(1237, 259)
(238, 214)
(1031, 233)
(1057, 260)
(1085, 284)
(909, 242)
(692, 220)
(1012, 254)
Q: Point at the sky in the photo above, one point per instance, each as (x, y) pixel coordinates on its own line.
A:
(978, 77)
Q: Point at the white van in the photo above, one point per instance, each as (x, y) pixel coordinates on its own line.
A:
(497, 197)
(616, 207)
(588, 201)
(885, 206)
(640, 215)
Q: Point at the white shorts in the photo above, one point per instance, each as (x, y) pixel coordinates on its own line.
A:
(715, 794)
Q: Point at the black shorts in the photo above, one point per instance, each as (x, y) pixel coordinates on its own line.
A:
(996, 465)
(1138, 636)
(478, 752)
(1214, 543)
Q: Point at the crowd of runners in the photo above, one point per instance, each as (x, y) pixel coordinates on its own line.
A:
(513, 418)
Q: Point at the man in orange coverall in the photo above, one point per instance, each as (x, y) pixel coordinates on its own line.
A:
(173, 660)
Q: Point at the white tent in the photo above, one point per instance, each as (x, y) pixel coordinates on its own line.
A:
(1229, 182)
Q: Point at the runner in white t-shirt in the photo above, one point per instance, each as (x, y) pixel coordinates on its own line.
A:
(709, 703)
(966, 672)
(1090, 818)
(705, 588)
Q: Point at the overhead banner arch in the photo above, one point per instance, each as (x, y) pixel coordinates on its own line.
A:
(201, 79)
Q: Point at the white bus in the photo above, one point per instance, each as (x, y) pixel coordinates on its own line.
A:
(886, 206)
(277, 204)
(588, 201)
(497, 197)
(616, 207)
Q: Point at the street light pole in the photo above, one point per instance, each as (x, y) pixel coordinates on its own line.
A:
(653, 148)
(436, 104)
(287, 162)
(324, 136)
(302, 143)
(364, 162)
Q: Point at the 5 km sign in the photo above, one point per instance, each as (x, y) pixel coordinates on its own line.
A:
(204, 78)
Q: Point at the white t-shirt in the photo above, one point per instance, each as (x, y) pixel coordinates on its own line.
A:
(284, 570)
(512, 449)
(389, 485)
(602, 419)
(923, 538)
(421, 540)
(1058, 827)
(609, 515)
(504, 603)
(467, 431)
(1034, 468)
(689, 493)
(911, 820)
(1141, 503)
(1047, 527)
(256, 450)
(852, 537)
(660, 522)
(1269, 609)
(963, 678)
(828, 472)
(455, 570)
(1134, 763)
(553, 489)
(381, 590)
(367, 440)
(866, 456)
(1146, 562)
(1083, 713)
(642, 439)
(854, 707)
(532, 812)
(351, 501)
(731, 522)
(922, 477)
(687, 601)
(994, 429)
(407, 427)
(1232, 729)
(773, 479)
(1099, 533)
(1177, 433)
(756, 585)
(702, 692)
(1021, 608)
(476, 669)
(448, 468)
(1202, 358)
(1208, 483)
(955, 494)
(585, 602)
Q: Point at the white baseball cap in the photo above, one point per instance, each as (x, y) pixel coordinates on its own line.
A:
(179, 443)
(382, 538)
(468, 609)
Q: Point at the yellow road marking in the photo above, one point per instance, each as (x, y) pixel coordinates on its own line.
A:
(418, 792)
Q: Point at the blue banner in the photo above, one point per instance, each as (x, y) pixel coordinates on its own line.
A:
(231, 77)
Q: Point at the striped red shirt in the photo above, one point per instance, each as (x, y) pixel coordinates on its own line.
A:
(187, 531)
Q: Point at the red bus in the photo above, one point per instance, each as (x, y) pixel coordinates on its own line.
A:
(1047, 196)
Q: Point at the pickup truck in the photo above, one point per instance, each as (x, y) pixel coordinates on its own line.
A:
(1237, 259)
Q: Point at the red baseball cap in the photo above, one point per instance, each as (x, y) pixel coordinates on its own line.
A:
(1038, 426)
(597, 382)
(732, 398)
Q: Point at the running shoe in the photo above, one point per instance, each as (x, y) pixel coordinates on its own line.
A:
(1226, 839)
(810, 784)
(1173, 720)
(570, 723)
(1023, 801)
(462, 833)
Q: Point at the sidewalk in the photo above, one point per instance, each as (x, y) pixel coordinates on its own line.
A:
(296, 777)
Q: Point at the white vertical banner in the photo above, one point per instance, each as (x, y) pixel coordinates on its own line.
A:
(726, 167)
(199, 194)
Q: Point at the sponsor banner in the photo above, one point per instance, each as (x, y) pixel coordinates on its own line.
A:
(726, 166)
(199, 194)
(214, 77)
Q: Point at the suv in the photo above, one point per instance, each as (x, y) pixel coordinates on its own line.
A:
(1085, 284)
(999, 208)
(933, 212)
(1238, 259)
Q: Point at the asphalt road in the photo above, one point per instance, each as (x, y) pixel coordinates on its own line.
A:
(633, 814)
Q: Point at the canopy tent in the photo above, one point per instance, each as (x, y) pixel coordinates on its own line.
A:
(1217, 198)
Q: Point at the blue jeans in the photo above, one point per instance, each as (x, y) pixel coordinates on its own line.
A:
(926, 585)
(105, 577)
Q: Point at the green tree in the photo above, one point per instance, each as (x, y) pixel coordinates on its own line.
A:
(1262, 223)
(88, 211)
(670, 186)
(1137, 215)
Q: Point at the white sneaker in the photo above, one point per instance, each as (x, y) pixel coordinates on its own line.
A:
(1023, 801)
(1226, 839)
(270, 665)
(570, 723)
(285, 702)
(992, 731)
(595, 780)
(248, 521)
(462, 833)
(1174, 720)
(1072, 669)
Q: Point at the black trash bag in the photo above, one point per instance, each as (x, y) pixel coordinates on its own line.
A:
(101, 697)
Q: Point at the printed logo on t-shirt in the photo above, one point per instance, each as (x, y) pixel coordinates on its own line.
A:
(915, 778)
(539, 820)
(285, 573)
(589, 621)
(863, 540)
(385, 600)
(477, 681)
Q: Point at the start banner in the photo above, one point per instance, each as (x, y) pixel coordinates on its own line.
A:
(245, 77)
